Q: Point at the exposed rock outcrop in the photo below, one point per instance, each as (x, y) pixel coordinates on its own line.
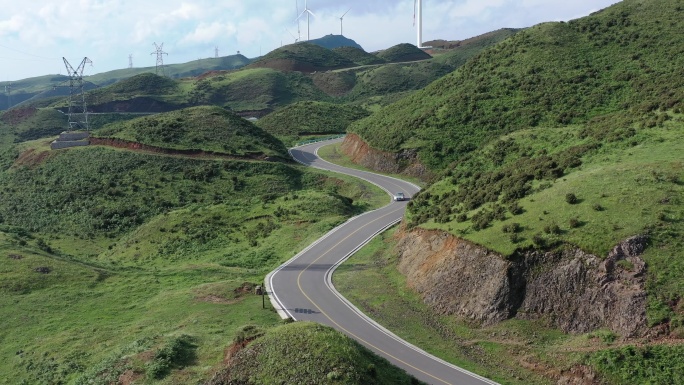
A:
(577, 291)
(405, 162)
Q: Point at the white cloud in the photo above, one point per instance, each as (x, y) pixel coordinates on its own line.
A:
(208, 33)
(107, 31)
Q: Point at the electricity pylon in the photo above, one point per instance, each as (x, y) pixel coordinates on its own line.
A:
(8, 91)
(77, 101)
(160, 58)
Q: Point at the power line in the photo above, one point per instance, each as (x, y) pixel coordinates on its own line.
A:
(160, 58)
(26, 53)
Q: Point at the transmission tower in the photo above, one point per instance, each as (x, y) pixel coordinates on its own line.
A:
(78, 111)
(130, 61)
(216, 52)
(8, 91)
(160, 58)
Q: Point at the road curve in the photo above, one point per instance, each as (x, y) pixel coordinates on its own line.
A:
(302, 288)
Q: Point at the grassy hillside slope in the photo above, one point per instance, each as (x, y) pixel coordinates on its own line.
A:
(34, 89)
(310, 118)
(626, 57)
(358, 56)
(402, 53)
(281, 356)
(335, 41)
(305, 57)
(257, 90)
(207, 128)
(127, 266)
(456, 54)
(589, 168)
(565, 135)
(33, 123)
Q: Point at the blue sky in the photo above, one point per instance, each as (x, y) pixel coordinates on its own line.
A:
(36, 34)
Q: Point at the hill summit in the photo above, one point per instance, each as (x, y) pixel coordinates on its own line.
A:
(335, 41)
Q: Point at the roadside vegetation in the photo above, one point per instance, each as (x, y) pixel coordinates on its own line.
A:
(278, 355)
(300, 120)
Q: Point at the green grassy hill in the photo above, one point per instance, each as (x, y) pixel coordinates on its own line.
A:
(33, 123)
(303, 57)
(124, 264)
(291, 123)
(281, 356)
(403, 53)
(457, 53)
(553, 74)
(335, 41)
(390, 79)
(254, 91)
(211, 129)
(564, 134)
(359, 56)
(176, 71)
(33, 90)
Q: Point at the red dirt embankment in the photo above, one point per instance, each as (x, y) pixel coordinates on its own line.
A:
(128, 145)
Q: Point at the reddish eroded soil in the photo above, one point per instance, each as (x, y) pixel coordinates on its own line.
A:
(129, 377)
(18, 115)
(128, 145)
(238, 295)
(31, 158)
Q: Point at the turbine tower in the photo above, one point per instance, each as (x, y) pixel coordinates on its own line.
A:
(341, 19)
(8, 91)
(308, 13)
(418, 20)
(77, 101)
(160, 58)
(299, 30)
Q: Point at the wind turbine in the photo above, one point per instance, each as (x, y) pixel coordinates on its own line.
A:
(341, 19)
(308, 13)
(299, 31)
(418, 19)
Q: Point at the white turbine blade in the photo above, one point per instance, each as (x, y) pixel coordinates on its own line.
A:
(341, 17)
(301, 14)
(312, 14)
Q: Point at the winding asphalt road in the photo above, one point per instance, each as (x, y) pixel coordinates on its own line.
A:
(302, 288)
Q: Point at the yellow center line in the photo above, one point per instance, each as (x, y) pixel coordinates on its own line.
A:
(340, 326)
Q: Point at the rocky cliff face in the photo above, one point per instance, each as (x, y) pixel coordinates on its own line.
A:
(405, 162)
(579, 292)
